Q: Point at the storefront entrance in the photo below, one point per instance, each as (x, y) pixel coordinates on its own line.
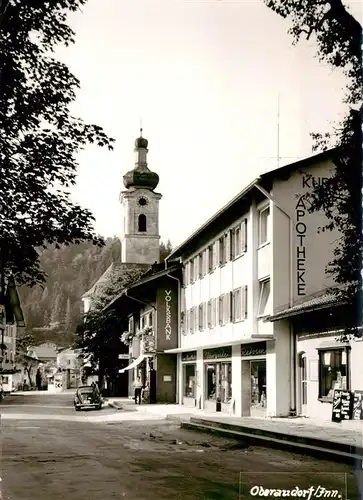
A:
(189, 374)
(303, 384)
(258, 402)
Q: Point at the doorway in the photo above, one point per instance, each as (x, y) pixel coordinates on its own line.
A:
(258, 392)
(303, 383)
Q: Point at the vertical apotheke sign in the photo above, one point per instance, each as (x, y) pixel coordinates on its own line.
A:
(301, 212)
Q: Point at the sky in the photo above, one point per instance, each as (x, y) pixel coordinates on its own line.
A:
(204, 77)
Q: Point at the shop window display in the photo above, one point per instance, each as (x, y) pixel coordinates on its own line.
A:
(333, 371)
(258, 384)
(219, 381)
(189, 381)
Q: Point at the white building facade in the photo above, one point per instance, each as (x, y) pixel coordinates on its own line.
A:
(247, 271)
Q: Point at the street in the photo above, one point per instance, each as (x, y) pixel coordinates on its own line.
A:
(50, 452)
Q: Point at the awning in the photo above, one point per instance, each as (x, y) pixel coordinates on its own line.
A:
(135, 363)
(252, 339)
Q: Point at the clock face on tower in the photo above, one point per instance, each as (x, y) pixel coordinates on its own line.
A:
(142, 201)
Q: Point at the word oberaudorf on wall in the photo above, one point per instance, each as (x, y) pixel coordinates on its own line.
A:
(167, 314)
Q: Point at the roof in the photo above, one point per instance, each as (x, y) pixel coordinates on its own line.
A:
(45, 351)
(147, 279)
(314, 304)
(299, 164)
(178, 250)
(110, 271)
(266, 177)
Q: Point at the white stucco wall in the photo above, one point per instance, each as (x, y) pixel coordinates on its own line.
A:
(311, 250)
(315, 408)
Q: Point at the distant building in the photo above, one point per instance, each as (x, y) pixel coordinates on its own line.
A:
(69, 365)
(47, 352)
(11, 326)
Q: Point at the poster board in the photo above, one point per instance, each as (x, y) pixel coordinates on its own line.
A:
(346, 406)
(357, 413)
(337, 406)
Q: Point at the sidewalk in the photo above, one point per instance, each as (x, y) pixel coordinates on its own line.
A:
(340, 436)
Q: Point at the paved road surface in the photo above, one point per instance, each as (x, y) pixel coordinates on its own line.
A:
(47, 459)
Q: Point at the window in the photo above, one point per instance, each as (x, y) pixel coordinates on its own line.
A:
(191, 320)
(214, 319)
(200, 265)
(224, 308)
(264, 301)
(237, 304)
(258, 384)
(142, 223)
(195, 277)
(215, 255)
(209, 314)
(227, 247)
(150, 319)
(191, 268)
(196, 324)
(131, 324)
(219, 381)
(183, 326)
(244, 236)
(189, 380)
(222, 252)
(201, 316)
(143, 322)
(210, 258)
(220, 309)
(333, 371)
(264, 226)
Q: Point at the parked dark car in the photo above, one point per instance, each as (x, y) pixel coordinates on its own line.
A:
(87, 397)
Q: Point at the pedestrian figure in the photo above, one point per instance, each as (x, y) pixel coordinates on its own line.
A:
(138, 390)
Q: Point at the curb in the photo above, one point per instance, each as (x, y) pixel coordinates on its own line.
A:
(115, 405)
(298, 444)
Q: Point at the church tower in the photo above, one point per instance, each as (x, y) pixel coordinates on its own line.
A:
(140, 238)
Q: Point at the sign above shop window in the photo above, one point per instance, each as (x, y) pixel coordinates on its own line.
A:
(255, 349)
(189, 356)
(219, 353)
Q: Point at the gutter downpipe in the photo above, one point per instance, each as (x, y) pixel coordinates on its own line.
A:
(292, 330)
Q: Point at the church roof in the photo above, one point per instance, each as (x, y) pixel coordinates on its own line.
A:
(112, 270)
(141, 176)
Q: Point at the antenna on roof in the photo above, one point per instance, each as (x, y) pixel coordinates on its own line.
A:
(140, 127)
(278, 129)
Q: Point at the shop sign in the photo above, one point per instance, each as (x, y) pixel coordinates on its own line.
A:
(358, 405)
(255, 349)
(167, 315)
(189, 356)
(218, 353)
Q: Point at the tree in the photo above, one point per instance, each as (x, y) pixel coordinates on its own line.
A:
(23, 344)
(165, 250)
(39, 137)
(338, 37)
(99, 336)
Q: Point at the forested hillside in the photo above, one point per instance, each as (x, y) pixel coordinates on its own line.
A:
(53, 312)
